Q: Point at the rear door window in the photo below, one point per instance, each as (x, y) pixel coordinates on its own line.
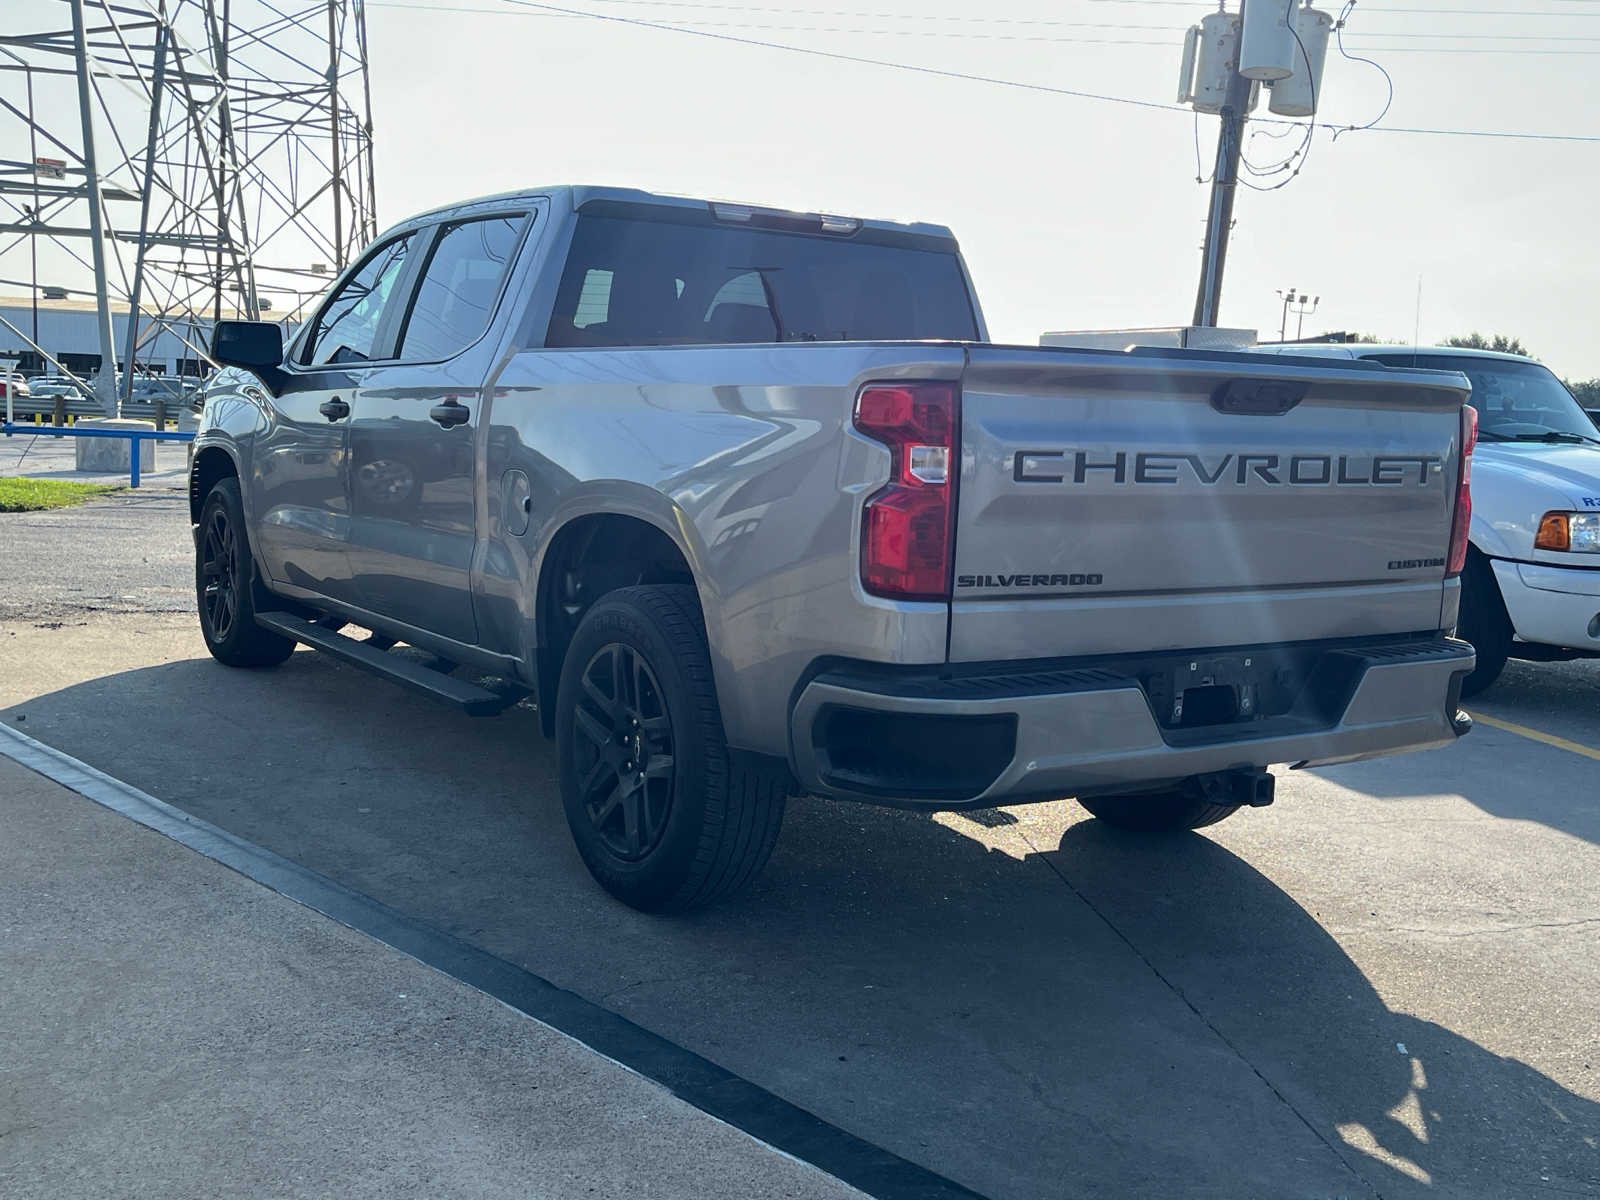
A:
(347, 327)
(639, 282)
(460, 284)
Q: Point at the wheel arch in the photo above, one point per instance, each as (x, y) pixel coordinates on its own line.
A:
(211, 463)
(588, 555)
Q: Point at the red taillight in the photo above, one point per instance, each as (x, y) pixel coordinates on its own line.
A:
(907, 527)
(1462, 523)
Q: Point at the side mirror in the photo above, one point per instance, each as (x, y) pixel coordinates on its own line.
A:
(255, 345)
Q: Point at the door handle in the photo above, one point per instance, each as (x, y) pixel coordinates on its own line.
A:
(451, 412)
(334, 409)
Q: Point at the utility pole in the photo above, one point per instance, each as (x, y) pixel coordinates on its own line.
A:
(106, 381)
(1224, 182)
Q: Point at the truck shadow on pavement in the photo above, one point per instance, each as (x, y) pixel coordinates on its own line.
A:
(1113, 1016)
(1420, 1108)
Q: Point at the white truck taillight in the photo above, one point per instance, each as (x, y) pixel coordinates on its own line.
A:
(1462, 522)
(908, 526)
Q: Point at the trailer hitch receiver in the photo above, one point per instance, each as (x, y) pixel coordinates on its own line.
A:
(1246, 786)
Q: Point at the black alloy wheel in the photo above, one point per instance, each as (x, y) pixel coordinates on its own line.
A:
(624, 749)
(219, 590)
(665, 816)
(227, 590)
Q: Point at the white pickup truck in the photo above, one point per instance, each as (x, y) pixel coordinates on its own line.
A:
(1531, 589)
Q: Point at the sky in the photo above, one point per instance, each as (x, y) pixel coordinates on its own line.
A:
(1073, 213)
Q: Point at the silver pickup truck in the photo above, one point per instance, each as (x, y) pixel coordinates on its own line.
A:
(747, 503)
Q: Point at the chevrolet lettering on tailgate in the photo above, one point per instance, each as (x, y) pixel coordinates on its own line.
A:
(1144, 466)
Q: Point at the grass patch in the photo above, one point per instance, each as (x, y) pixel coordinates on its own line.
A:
(34, 495)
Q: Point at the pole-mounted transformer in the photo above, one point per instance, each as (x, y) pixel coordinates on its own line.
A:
(1227, 58)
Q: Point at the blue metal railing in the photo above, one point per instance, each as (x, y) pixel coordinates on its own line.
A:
(135, 436)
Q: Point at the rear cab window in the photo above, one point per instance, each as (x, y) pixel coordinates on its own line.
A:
(641, 281)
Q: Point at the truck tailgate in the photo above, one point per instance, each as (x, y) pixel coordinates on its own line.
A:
(1158, 500)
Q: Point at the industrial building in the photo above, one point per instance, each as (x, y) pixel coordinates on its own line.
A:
(67, 329)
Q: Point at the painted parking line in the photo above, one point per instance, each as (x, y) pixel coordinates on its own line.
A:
(712, 1089)
(1538, 735)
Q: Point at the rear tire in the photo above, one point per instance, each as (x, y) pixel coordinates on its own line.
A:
(1158, 812)
(226, 588)
(664, 817)
(1484, 622)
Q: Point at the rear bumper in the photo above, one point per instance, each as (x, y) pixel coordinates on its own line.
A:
(959, 737)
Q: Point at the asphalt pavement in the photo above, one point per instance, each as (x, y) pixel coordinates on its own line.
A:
(1381, 986)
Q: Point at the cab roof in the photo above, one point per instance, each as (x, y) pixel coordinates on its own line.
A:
(571, 197)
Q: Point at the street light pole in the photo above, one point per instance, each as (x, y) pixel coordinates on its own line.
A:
(1302, 310)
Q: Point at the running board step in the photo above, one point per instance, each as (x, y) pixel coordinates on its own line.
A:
(471, 699)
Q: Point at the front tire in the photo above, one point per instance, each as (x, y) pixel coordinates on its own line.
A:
(663, 815)
(225, 585)
(1171, 811)
(1484, 622)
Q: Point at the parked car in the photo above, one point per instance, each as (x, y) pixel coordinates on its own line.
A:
(747, 503)
(48, 387)
(1531, 589)
(13, 386)
(149, 388)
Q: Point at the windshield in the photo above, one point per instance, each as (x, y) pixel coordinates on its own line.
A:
(1516, 401)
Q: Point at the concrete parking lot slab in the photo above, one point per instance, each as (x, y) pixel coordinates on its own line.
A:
(1381, 986)
(174, 1029)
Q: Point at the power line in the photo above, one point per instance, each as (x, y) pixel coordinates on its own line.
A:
(1189, 4)
(1192, 5)
(838, 56)
(998, 81)
(695, 25)
(1032, 21)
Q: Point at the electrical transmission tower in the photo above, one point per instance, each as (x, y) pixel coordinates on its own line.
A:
(179, 161)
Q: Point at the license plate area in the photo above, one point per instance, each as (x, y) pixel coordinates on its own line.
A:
(1227, 689)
